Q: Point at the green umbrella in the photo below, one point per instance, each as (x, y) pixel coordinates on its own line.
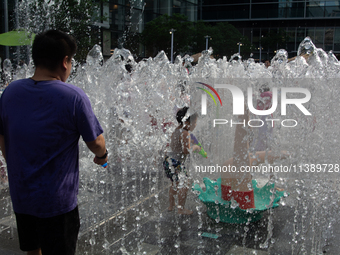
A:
(17, 38)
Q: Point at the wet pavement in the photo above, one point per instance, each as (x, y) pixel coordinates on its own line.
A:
(136, 221)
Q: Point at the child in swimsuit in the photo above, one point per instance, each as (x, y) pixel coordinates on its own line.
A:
(174, 160)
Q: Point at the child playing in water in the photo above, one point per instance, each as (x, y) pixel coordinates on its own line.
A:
(237, 185)
(174, 160)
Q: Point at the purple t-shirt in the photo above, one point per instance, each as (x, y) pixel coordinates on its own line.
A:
(42, 122)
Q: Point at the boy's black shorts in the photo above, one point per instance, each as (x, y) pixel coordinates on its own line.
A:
(55, 235)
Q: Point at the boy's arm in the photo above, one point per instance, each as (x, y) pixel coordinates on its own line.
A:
(99, 149)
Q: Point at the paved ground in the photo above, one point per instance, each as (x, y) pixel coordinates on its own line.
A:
(136, 221)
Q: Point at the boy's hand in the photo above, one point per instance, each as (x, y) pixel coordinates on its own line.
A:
(99, 161)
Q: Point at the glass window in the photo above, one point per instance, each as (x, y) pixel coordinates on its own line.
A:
(210, 12)
(310, 31)
(190, 10)
(329, 35)
(300, 35)
(151, 6)
(192, 1)
(114, 40)
(284, 8)
(291, 45)
(226, 12)
(332, 9)
(296, 10)
(235, 11)
(315, 9)
(117, 16)
(265, 11)
(164, 7)
(337, 39)
(319, 37)
(107, 14)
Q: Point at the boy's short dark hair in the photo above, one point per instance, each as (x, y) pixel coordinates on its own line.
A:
(50, 48)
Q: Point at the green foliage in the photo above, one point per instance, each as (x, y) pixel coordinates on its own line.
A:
(199, 42)
(189, 37)
(132, 43)
(75, 17)
(225, 39)
(275, 40)
(156, 35)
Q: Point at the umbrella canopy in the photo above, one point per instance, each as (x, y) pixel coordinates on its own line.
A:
(16, 38)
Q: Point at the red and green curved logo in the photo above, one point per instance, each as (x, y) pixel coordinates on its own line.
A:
(209, 93)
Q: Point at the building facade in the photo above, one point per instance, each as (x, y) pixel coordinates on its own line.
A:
(129, 17)
(256, 19)
(297, 19)
(124, 18)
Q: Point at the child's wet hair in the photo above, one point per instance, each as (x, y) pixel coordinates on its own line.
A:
(181, 114)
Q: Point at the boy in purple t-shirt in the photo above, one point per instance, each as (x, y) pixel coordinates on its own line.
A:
(41, 121)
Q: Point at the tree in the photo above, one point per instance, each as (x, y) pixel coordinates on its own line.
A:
(225, 39)
(131, 41)
(274, 40)
(202, 29)
(75, 17)
(190, 36)
(156, 35)
(78, 18)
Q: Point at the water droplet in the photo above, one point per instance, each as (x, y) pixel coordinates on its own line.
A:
(92, 241)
